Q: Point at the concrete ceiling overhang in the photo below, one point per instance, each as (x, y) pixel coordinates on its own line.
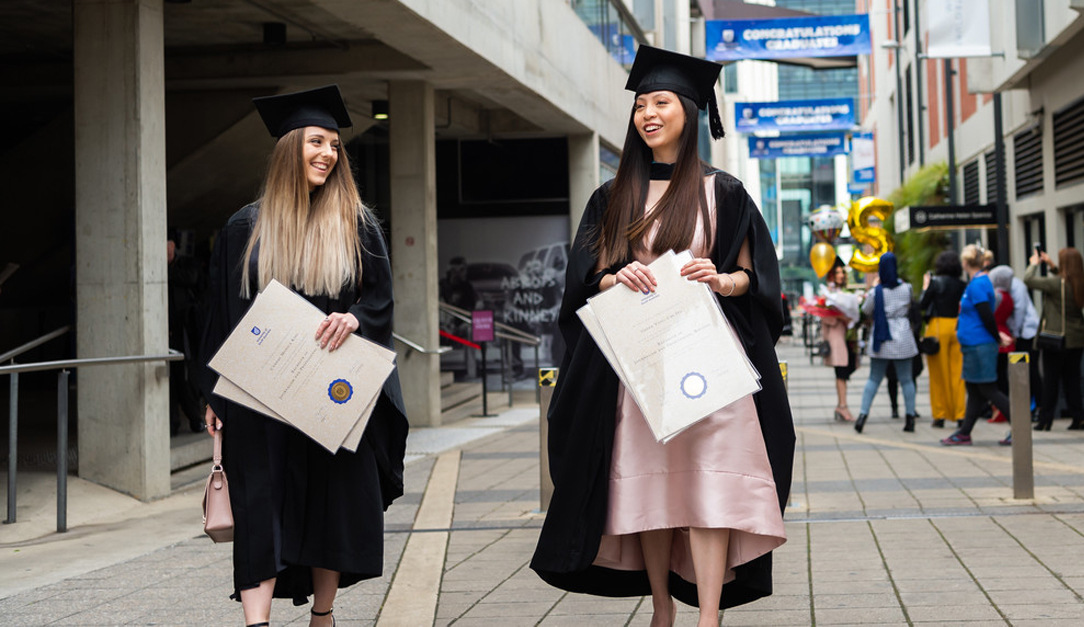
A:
(533, 57)
(523, 67)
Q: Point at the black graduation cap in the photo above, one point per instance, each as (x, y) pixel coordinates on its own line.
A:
(323, 107)
(655, 69)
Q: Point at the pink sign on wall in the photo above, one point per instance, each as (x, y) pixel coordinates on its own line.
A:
(481, 326)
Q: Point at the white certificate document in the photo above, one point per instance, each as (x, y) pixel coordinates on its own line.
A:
(229, 390)
(673, 349)
(272, 357)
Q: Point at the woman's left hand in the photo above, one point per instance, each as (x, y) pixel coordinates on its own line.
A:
(333, 330)
(703, 270)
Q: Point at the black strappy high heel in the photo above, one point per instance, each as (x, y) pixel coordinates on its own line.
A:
(263, 624)
(315, 613)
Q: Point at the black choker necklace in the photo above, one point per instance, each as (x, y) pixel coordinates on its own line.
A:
(661, 171)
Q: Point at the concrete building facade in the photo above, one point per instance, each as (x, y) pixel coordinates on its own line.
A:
(135, 115)
(1038, 49)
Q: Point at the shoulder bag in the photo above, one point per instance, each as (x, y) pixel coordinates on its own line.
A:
(929, 345)
(217, 515)
(1047, 340)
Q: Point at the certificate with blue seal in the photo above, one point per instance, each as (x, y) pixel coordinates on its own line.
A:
(674, 350)
(272, 364)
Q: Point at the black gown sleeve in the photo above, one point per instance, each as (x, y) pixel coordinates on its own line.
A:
(375, 307)
(581, 283)
(738, 219)
(223, 302)
(387, 428)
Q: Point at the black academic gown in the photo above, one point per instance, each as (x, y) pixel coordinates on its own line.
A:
(295, 505)
(584, 405)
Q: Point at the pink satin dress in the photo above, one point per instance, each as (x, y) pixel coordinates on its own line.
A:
(715, 474)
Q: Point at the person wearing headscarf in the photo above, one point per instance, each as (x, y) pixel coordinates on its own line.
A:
(1023, 324)
(941, 294)
(1004, 306)
(843, 350)
(889, 305)
(976, 330)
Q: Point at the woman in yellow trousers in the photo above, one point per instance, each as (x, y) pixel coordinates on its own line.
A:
(941, 293)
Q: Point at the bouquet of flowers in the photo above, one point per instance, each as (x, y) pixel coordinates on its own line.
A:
(834, 304)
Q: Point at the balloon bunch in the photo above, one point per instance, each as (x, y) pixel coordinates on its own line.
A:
(826, 223)
(865, 219)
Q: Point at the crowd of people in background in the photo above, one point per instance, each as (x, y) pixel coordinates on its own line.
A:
(969, 316)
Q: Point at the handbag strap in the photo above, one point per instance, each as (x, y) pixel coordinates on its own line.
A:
(1063, 306)
(218, 448)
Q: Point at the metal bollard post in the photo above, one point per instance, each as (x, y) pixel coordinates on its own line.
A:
(13, 445)
(783, 371)
(547, 379)
(1023, 474)
(62, 452)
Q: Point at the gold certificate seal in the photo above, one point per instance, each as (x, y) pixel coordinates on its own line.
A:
(340, 391)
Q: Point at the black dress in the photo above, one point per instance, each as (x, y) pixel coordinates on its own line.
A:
(582, 412)
(295, 505)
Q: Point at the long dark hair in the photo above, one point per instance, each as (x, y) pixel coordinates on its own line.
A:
(1071, 268)
(625, 223)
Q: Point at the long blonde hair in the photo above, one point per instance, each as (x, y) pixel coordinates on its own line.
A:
(307, 242)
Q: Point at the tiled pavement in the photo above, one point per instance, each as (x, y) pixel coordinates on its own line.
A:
(884, 528)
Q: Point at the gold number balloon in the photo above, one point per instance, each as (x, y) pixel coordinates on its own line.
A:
(862, 212)
(822, 257)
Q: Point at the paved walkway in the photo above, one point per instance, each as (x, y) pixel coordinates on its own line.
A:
(884, 528)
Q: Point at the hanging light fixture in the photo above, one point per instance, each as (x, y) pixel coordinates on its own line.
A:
(380, 109)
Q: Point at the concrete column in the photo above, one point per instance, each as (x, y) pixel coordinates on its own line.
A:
(583, 176)
(120, 213)
(414, 244)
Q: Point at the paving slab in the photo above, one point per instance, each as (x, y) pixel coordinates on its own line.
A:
(884, 528)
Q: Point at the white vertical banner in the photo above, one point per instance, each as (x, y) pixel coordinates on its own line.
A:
(862, 158)
(958, 28)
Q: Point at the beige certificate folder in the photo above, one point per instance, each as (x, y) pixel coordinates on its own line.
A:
(673, 349)
(271, 360)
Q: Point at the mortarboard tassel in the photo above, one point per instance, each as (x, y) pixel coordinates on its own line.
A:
(714, 122)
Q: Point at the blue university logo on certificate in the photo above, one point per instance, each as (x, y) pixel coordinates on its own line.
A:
(694, 385)
(340, 391)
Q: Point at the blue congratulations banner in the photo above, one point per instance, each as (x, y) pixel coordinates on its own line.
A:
(809, 145)
(788, 37)
(828, 114)
(622, 47)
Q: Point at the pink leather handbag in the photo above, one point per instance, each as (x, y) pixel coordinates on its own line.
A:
(217, 515)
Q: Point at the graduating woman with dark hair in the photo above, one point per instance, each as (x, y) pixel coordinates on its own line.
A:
(306, 522)
(695, 518)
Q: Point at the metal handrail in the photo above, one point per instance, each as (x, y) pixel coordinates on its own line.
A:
(421, 349)
(61, 416)
(173, 355)
(503, 330)
(32, 344)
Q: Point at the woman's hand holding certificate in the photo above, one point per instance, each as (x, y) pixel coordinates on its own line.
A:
(326, 387)
(671, 345)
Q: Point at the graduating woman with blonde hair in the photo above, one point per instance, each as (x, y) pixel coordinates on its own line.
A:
(698, 516)
(306, 521)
